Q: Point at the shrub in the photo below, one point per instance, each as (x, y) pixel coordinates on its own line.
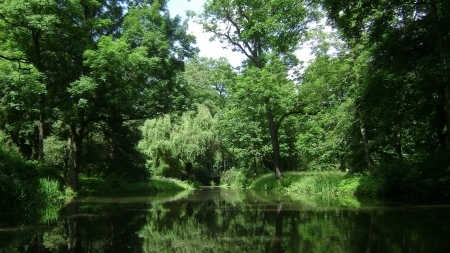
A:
(234, 178)
(48, 190)
(55, 151)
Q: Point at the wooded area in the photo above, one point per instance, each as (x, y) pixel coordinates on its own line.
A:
(116, 89)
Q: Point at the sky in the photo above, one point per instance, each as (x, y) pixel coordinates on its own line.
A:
(208, 49)
(214, 49)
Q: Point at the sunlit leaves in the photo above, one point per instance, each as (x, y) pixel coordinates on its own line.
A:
(192, 137)
(257, 28)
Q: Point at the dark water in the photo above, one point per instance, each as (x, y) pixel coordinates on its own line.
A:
(214, 220)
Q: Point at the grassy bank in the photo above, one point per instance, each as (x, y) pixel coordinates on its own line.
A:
(319, 183)
(115, 187)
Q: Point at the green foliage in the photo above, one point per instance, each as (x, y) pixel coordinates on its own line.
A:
(49, 190)
(55, 151)
(209, 81)
(27, 187)
(176, 147)
(83, 63)
(258, 27)
(234, 178)
(321, 184)
(362, 186)
(244, 125)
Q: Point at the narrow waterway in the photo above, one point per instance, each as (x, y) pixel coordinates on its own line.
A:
(225, 220)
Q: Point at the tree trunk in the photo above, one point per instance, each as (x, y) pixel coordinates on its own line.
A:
(41, 131)
(77, 141)
(37, 47)
(275, 146)
(366, 144)
(398, 144)
(67, 159)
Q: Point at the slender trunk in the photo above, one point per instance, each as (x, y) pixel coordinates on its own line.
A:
(254, 161)
(363, 128)
(398, 144)
(366, 144)
(37, 47)
(41, 131)
(77, 141)
(275, 146)
(439, 121)
(67, 159)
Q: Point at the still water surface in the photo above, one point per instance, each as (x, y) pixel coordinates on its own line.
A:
(224, 220)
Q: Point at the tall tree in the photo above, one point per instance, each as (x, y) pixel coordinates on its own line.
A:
(126, 76)
(259, 29)
(408, 40)
(96, 60)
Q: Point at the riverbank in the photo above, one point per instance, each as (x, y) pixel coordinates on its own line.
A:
(320, 183)
(92, 186)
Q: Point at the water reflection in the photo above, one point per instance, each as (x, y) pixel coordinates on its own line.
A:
(213, 220)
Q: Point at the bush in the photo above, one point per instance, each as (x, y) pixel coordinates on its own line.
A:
(55, 151)
(49, 190)
(234, 178)
(26, 187)
(321, 183)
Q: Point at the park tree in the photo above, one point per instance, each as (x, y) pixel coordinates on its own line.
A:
(408, 51)
(85, 62)
(257, 93)
(127, 75)
(260, 29)
(208, 81)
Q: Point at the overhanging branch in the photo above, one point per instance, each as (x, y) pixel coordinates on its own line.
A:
(278, 124)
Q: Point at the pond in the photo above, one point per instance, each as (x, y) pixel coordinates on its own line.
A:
(225, 220)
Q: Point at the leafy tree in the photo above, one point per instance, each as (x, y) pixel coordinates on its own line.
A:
(208, 81)
(178, 147)
(259, 29)
(128, 75)
(257, 93)
(407, 38)
(94, 61)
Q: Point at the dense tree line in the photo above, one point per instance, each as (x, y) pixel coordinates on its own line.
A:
(116, 88)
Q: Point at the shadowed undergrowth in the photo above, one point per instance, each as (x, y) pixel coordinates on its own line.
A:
(117, 187)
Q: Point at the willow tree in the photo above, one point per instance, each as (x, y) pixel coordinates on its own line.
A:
(259, 29)
(174, 145)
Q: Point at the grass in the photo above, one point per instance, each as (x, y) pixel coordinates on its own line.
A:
(115, 187)
(319, 183)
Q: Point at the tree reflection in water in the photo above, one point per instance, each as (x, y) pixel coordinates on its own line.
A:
(232, 221)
